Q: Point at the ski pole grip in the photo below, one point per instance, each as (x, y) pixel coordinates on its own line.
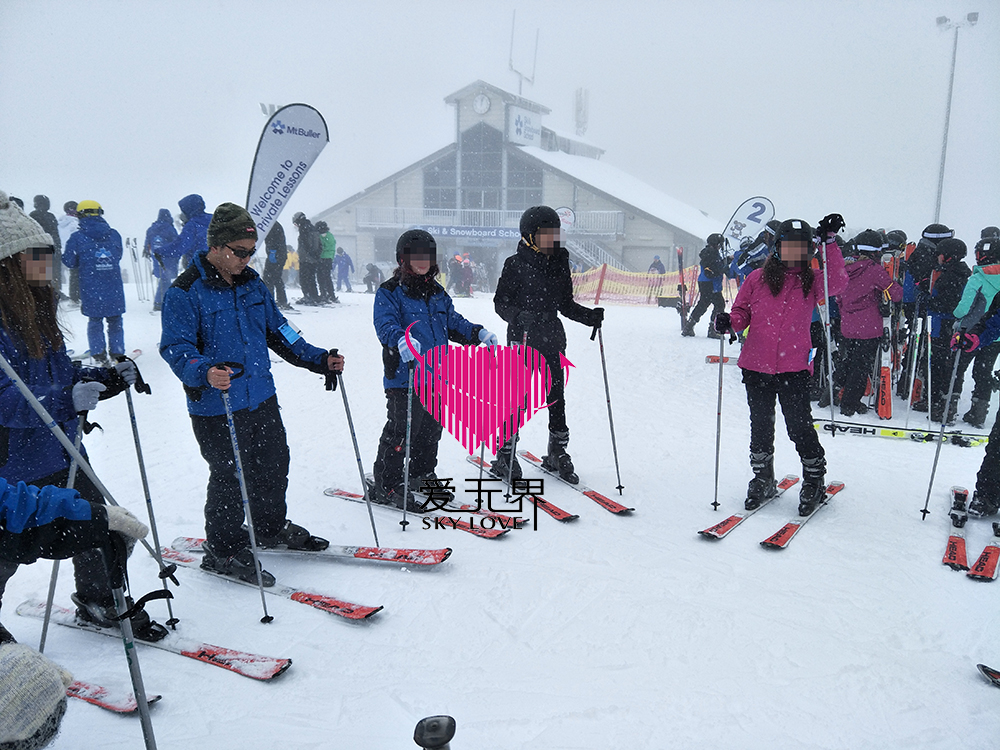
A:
(236, 367)
(593, 334)
(331, 375)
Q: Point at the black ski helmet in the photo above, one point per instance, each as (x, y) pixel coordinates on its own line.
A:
(868, 242)
(793, 230)
(415, 241)
(535, 218)
(772, 227)
(952, 249)
(937, 232)
(990, 232)
(988, 251)
(896, 239)
(715, 240)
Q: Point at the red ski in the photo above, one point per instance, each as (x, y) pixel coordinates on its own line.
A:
(333, 552)
(110, 700)
(319, 601)
(486, 533)
(605, 502)
(722, 528)
(539, 502)
(954, 553)
(250, 665)
(985, 568)
(781, 538)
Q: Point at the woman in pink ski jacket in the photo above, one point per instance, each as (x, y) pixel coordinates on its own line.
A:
(776, 303)
(860, 319)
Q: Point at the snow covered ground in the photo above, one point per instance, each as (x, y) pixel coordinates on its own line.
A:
(610, 632)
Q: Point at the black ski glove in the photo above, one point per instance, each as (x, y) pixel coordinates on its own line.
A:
(596, 317)
(830, 224)
(525, 319)
(723, 323)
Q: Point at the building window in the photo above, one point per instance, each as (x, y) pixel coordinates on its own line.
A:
(439, 184)
(524, 183)
(482, 167)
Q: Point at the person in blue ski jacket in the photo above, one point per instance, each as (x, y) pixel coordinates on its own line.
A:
(345, 267)
(710, 281)
(217, 316)
(192, 240)
(31, 341)
(96, 249)
(413, 296)
(161, 233)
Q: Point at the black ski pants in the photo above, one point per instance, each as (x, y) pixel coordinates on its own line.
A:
(942, 365)
(325, 278)
(425, 434)
(988, 479)
(90, 570)
(792, 391)
(707, 296)
(264, 452)
(274, 283)
(982, 370)
(307, 280)
(858, 359)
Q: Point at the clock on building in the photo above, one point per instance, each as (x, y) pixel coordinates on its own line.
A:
(481, 104)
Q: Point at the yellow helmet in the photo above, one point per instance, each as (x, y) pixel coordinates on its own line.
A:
(90, 208)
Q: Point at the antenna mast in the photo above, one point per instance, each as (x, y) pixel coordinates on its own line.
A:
(521, 78)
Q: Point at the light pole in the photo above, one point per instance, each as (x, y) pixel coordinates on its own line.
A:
(945, 23)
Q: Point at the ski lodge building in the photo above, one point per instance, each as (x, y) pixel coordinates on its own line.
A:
(471, 193)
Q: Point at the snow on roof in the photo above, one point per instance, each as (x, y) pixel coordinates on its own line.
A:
(624, 188)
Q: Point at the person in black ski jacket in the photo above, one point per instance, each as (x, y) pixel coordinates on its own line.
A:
(535, 286)
(710, 281)
(309, 249)
(274, 266)
(50, 224)
(945, 286)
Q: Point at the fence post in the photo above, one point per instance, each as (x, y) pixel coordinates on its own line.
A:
(600, 284)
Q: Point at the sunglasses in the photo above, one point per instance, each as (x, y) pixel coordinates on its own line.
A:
(240, 252)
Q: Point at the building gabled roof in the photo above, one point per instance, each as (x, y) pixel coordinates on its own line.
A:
(622, 188)
(440, 153)
(506, 96)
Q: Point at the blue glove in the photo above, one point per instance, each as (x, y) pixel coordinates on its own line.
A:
(86, 394)
(490, 339)
(404, 351)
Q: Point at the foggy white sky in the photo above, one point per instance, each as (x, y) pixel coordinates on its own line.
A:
(821, 106)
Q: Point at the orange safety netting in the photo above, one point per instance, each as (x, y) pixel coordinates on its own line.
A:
(604, 284)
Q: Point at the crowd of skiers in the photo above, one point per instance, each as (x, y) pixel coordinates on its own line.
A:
(915, 308)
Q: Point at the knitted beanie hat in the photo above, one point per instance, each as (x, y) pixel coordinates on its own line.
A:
(18, 231)
(229, 223)
(32, 697)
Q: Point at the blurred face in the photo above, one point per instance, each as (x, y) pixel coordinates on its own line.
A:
(547, 240)
(36, 263)
(795, 253)
(226, 258)
(420, 263)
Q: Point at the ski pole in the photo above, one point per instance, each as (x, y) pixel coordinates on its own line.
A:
(611, 419)
(825, 312)
(243, 488)
(915, 341)
(57, 432)
(718, 419)
(406, 458)
(975, 314)
(141, 387)
(332, 380)
(70, 481)
(132, 657)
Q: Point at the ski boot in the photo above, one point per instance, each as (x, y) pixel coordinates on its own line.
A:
(920, 404)
(687, 329)
(557, 459)
(106, 616)
(6, 636)
(433, 487)
(813, 485)
(239, 566)
(713, 334)
(393, 497)
(976, 415)
(763, 485)
(294, 537)
(982, 506)
(505, 464)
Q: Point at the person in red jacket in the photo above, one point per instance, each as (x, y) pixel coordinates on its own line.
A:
(776, 303)
(860, 319)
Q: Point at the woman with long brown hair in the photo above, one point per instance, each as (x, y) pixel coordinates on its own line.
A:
(32, 341)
